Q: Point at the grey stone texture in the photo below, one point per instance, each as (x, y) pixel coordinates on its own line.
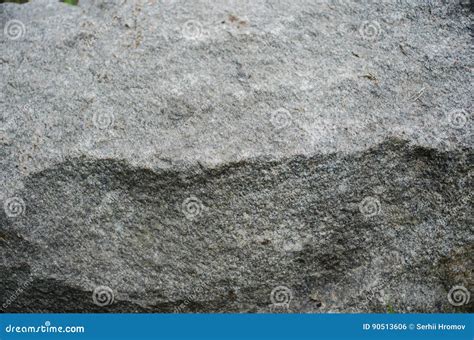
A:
(236, 156)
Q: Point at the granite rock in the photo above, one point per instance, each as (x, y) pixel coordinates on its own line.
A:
(239, 156)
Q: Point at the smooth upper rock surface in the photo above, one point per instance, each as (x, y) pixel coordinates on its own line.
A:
(201, 155)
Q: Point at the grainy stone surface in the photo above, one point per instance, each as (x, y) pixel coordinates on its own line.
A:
(178, 156)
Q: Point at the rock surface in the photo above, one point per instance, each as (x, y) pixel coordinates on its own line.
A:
(245, 156)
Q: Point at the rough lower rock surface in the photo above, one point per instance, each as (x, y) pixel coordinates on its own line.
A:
(236, 156)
